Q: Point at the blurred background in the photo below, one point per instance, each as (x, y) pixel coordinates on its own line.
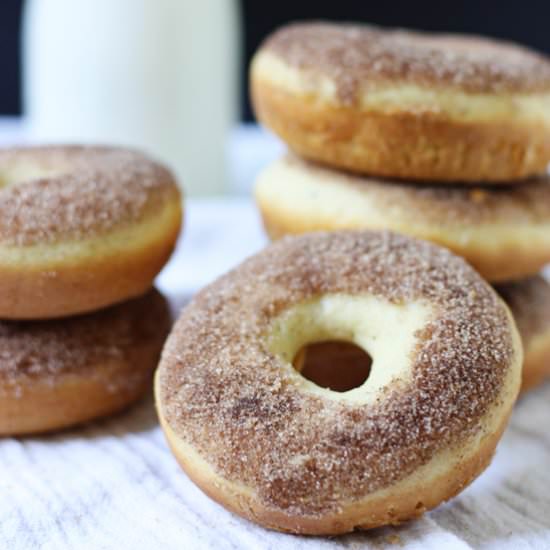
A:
(171, 76)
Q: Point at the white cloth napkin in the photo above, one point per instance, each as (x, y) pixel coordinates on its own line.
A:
(114, 484)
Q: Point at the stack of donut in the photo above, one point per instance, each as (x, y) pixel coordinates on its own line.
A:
(440, 137)
(83, 233)
(398, 138)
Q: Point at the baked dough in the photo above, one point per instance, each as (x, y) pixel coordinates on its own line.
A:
(62, 372)
(529, 302)
(81, 228)
(275, 448)
(403, 104)
(504, 233)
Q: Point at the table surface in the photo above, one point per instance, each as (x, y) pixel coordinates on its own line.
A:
(115, 484)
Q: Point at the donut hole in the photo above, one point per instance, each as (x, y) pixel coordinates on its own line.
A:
(333, 364)
(386, 331)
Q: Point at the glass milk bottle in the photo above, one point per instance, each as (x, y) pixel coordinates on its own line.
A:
(160, 75)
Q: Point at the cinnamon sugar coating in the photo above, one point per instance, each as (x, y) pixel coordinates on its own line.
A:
(47, 351)
(86, 191)
(222, 392)
(355, 56)
(529, 301)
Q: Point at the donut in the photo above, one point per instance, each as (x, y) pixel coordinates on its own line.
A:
(503, 232)
(396, 103)
(529, 302)
(270, 445)
(62, 372)
(81, 228)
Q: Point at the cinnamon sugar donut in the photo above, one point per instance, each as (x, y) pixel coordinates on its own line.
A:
(275, 448)
(81, 228)
(405, 104)
(529, 302)
(504, 233)
(63, 372)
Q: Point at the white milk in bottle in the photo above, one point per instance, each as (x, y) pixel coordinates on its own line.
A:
(160, 75)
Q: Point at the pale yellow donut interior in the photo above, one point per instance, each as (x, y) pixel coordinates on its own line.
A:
(386, 331)
(21, 172)
(404, 97)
